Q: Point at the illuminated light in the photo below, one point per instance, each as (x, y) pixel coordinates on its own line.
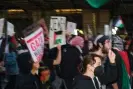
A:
(75, 32)
(57, 11)
(79, 10)
(15, 10)
(80, 31)
(116, 28)
(113, 31)
(68, 10)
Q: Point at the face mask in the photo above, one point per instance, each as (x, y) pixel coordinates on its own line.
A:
(98, 71)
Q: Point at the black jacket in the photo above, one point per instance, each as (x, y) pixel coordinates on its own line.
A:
(70, 62)
(119, 68)
(27, 81)
(84, 82)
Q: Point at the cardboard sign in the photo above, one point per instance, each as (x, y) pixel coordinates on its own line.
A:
(71, 27)
(57, 31)
(35, 44)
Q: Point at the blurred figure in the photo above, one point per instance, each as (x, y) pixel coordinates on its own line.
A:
(71, 59)
(102, 45)
(94, 75)
(27, 79)
(11, 65)
(123, 63)
(130, 55)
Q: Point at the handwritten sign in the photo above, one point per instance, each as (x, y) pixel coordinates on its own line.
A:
(57, 23)
(57, 31)
(35, 44)
(71, 27)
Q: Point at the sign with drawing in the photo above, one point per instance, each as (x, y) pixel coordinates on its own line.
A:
(57, 31)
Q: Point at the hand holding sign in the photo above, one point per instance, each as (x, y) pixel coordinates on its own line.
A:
(59, 47)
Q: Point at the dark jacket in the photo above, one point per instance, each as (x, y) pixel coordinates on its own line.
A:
(119, 68)
(27, 81)
(70, 61)
(84, 82)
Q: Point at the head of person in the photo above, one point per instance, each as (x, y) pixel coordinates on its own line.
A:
(102, 42)
(77, 41)
(44, 73)
(26, 64)
(92, 63)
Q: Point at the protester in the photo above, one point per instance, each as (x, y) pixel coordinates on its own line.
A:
(28, 78)
(124, 72)
(44, 73)
(102, 45)
(49, 61)
(71, 59)
(11, 65)
(94, 75)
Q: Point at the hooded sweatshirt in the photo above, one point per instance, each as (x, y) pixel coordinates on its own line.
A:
(26, 80)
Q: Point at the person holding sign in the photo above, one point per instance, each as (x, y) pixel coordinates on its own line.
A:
(27, 79)
(49, 60)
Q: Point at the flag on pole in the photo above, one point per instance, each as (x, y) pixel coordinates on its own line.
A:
(119, 23)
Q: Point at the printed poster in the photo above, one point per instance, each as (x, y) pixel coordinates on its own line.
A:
(35, 44)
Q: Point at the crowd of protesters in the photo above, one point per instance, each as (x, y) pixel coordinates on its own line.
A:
(83, 63)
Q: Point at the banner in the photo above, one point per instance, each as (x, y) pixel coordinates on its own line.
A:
(71, 27)
(35, 44)
(57, 31)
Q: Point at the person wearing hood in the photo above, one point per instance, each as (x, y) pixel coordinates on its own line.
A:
(94, 75)
(27, 79)
(71, 59)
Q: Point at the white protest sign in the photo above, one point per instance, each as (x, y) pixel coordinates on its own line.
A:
(57, 23)
(35, 44)
(10, 29)
(106, 30)
(57, 31)
(71, 27)
(1, 26)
